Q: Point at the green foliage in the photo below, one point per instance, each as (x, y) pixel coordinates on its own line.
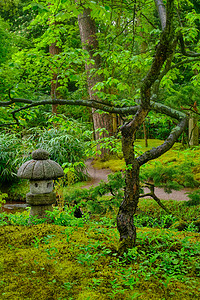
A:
(181, 214)
(111, 143)
(176, 169)
(2, 199)
(102, 207)
(92, 197)
(31, 120)
(74, 172)
(19, 218)
(162, 221)
(171, 176)
(194, 198)
(67, 144)
(158, 126)
(184, 95)
(5, 42)
(79, 261)
(66, 218)
(61, 145)
(10, 151)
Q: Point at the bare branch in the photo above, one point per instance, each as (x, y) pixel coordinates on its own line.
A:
(14, 117)
(166, 110)
(149, 21)
(152, 194)
(183, 50)
(164, 50)
(122, 111)
(167, 66)
(158, 151)
(4, 104)
(15, 100)
(89, 103)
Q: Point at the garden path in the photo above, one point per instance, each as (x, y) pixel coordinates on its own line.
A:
(97, 175)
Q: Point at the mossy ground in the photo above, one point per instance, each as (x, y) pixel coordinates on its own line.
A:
(79, 261)
(48, 261)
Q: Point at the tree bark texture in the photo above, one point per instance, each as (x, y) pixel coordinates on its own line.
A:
(54, 50)
(193, 131)
(125, 222)
(161, 11)
(125, 218)
(89, 41)
(145, 135)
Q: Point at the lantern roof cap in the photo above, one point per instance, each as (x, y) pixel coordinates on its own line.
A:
(40, 154)
(40, 167)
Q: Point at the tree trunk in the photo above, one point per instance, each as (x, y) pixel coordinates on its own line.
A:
(54, 50)
(89, 41)
(128, 207)
(125, 217)
(145, 135)
(193, 131)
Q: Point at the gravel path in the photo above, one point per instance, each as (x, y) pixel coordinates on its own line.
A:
(98, 175)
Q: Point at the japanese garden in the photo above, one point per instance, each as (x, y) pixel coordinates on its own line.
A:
(99, 149)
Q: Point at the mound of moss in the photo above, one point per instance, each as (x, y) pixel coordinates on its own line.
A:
(48, 261)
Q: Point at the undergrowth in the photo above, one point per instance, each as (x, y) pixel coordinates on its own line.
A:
(77, 258)
(80, 261)
(173, 170)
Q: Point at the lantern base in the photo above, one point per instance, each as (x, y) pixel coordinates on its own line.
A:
(40, 212)
(40, 199)
(40, 203)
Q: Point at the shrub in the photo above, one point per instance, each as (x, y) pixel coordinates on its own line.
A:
(93, 198)
(194, 198)
(170, 176)
(11, 155)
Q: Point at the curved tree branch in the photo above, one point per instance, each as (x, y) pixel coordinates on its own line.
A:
(152, 194)
(123, 111)
(158, 151)
(183, 50)
(166, 110)
(163, 51)
(148, 21)
(166, 68)
(89, 103)
(15, 100)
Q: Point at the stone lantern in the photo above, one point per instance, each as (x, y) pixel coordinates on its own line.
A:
(41, 171)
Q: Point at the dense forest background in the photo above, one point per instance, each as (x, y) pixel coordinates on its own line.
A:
(118, 83)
